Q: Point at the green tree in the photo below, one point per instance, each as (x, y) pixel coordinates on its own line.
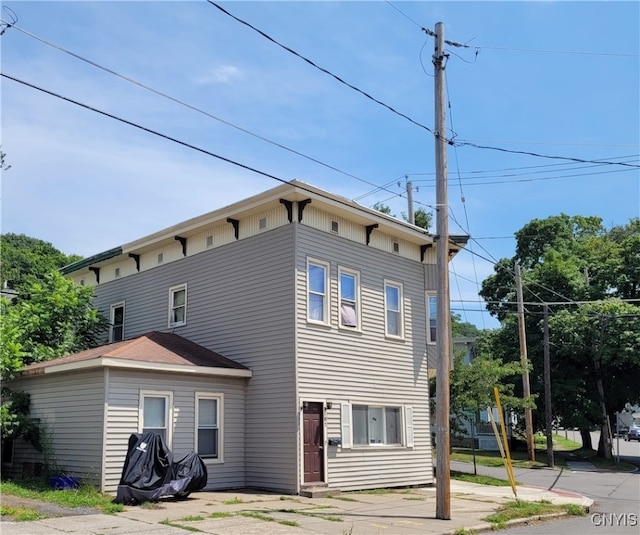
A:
(381, 207)
(471, 389)
(25, 260)
(52, 318)
(421, 218)
(572, 259)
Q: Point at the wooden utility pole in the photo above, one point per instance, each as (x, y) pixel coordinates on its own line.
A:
(528, 417)
(547, 389)
(443, 317)
(410, 213)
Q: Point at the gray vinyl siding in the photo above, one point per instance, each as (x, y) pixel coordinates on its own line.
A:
(70, 406)
(123, 419)
(241, 304)
(365, 367)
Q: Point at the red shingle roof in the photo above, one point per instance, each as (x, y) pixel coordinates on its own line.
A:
(153, 347)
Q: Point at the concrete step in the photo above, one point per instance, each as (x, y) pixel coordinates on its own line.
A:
(317, 491)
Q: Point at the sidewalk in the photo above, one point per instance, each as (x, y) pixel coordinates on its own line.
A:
(405, 511)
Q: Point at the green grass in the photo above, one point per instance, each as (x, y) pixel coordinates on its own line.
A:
(522, 509)
(21, 514)
(376, 491)
(168, 522)
(309, 514)
(343, 498)
(481, 480)
(220, 514)
(266, 518)
(85, 496)
(233, 501)
(192, 518)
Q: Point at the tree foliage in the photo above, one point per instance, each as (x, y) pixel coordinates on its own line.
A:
(52, 318)
(25, 260)
(574, 260)
(421, 218)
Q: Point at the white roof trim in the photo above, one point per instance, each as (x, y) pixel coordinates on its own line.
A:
(107, 362)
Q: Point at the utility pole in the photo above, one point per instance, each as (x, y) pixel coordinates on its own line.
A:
(528, 417)
(410, 213)
(443, 317)
(547, 388)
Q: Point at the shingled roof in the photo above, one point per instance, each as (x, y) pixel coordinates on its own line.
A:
(164, 351)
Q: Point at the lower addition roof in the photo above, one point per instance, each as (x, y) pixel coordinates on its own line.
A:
(154, 351)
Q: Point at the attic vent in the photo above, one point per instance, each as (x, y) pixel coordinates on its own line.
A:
(263, 223)
(117, 273)
(209, 241)
(160, 258)
(334, 226)
(396, 247)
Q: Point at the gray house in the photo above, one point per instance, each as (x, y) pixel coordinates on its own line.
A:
(317, 319)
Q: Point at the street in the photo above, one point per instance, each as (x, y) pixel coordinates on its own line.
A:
(616, 495)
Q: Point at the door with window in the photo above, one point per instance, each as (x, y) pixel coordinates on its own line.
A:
(313, 438)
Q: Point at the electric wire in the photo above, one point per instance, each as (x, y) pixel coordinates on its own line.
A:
(322, 69)
(164, 136)
(187, 105)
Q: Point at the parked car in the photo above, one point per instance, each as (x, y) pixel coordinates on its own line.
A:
(622, 431)
(633, 434)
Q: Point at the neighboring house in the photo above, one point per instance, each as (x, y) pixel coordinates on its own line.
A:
(331, 306)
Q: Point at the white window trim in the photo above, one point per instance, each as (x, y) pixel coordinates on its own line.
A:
(220, 399)
(356, 275)
(346, 426)
(168, 395)
(327, 290)
(429, 340)
(111, 318)
(173, 290)
(397, 285)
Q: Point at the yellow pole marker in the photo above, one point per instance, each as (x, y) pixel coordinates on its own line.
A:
(508, 464)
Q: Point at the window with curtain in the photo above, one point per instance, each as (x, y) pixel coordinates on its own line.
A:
(349, 299)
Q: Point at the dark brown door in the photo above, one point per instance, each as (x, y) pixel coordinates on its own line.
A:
(313, 442)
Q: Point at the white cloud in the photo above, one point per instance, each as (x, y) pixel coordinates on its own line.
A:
(222, 74)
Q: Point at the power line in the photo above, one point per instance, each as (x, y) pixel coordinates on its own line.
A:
(326, 71)
(527, 153)
(163, 136)
(187, 105)
(548, 51)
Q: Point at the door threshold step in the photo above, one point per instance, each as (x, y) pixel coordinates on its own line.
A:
(317, 491)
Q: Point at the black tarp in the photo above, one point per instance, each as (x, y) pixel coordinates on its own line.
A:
(150, 472)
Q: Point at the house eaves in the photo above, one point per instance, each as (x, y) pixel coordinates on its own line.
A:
(106, 362)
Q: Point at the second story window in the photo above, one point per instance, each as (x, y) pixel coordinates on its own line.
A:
(393, 309)
(116, 329)
(433, 314)
(178, 305)
(349, 301)
(317, 291)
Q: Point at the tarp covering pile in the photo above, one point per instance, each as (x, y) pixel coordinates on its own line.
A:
(150, 472)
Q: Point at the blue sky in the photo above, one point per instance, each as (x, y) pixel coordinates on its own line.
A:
(553, 78)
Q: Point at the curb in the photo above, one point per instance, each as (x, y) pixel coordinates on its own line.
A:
(486, 526)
